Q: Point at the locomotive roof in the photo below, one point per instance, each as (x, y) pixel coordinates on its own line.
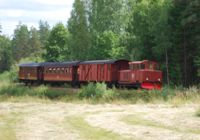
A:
(72, 63)
(102, 61)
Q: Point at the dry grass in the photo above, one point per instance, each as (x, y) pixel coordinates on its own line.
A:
(7, 126)
(88, 132)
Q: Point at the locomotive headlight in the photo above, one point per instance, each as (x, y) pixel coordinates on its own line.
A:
(158, 79)
(147, 78)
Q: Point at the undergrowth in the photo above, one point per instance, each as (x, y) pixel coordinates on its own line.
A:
(97, 93)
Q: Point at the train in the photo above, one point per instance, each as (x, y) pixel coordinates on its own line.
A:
(144, 74)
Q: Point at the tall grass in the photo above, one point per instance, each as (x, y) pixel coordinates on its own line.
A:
(98, 93)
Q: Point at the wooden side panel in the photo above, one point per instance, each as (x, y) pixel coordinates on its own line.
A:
(61, 74)
(28, 73)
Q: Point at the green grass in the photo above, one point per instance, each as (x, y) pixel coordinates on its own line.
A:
(7, 126)
(198, 112)
(88, 132)
(138, 120)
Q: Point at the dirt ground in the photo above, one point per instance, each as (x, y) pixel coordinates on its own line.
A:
(47, 121)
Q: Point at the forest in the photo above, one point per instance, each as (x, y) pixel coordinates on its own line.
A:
(166, 31)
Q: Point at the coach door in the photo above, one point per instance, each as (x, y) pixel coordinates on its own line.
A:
(40, 73)
(75, 73)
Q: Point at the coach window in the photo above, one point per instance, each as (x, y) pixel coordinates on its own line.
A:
(66, 70)
(58, 70)
(70, 71)
(54, 70)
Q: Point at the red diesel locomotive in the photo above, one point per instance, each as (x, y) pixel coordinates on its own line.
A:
(141, 74)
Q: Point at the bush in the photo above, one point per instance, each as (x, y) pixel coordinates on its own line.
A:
(96, 91)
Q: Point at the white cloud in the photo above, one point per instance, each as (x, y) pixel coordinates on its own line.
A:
(55, 2)
(29, 12)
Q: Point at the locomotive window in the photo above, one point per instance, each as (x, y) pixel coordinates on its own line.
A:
(157, 67)
(151, 66)
(142, 66)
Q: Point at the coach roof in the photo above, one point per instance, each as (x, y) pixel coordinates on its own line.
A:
(32, 64)
(51, 64)
(102, 61)
(54, 64)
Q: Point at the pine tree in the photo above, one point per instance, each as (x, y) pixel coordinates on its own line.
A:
(35, 43)
(20, 42)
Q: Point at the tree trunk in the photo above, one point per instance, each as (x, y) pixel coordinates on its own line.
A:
(185, 58)
(167, 66)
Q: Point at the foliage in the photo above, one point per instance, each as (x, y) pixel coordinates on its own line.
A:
(80, 38)
(5, 53)
(35, 44)
(166, 31)
(96, 91)
(44, 31)
(20, 42)
(56, 48)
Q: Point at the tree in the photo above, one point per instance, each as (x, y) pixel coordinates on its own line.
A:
(104, 17)
(57, 48)
(20, 42)
(185, 23)
(80, 38)
(44, 31)
(35, 44)
(0, 29)
(149, 32)
(5, 53)
(109, 42)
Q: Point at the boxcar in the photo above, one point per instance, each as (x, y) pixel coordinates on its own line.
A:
(30, 72)
(60, 71)
(101, 70)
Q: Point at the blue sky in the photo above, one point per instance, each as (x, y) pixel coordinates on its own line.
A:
(29, 12)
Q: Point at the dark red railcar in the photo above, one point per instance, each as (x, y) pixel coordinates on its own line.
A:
(101, 70)
(29, 72)
(60, 71)
(144, 74)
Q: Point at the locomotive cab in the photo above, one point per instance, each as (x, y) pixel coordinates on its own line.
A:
(144, 74)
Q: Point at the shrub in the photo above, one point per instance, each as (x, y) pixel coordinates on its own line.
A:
(96, 91)
(88, 91)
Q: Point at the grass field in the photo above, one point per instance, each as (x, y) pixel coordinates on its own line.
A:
(97, 113)
(72, 121)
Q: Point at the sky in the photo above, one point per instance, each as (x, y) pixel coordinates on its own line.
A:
(30, 12)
